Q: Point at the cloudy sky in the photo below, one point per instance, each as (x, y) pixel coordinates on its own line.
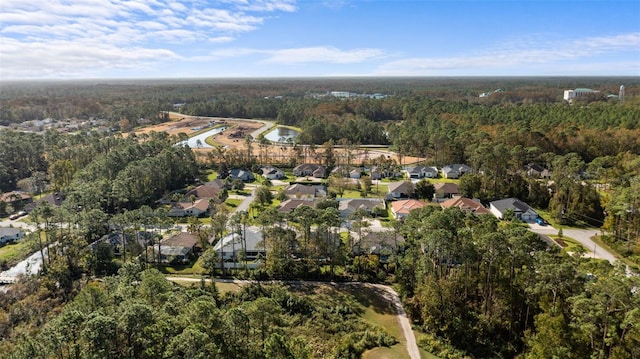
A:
(69, 39)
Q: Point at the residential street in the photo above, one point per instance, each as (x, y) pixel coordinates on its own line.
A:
(581, 235)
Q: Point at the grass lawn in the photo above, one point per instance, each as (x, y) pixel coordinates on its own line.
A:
(232, 202)
(443, 180)
(16, 251)
(568, 244)
(212, 175)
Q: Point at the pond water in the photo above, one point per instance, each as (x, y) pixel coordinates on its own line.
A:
(198, 141)
(282, 135)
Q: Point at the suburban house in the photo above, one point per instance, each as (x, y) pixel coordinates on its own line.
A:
(536, 171)
(241, 174)
(8, 235)
(199, 207)
(179, 248)
(445, 191)
(272, 173)
(465, 204)
(382, 244)
(455, 170)
(418, 172)
(401, 209)
(15, 198)
(520, 209)
(347, 172)
(291, 204)
(308, 169)
(230, 246)
(376, 173)
(54, 199)
(302, 191)
(203, 192)
(351, 205)
(402, 189)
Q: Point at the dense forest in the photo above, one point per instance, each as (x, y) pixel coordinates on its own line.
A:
(473, 286)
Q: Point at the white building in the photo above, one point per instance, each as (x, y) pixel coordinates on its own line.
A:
(569, 95)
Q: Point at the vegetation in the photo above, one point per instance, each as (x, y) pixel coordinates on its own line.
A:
(474, 287)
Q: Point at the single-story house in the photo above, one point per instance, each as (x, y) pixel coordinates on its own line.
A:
(401, 209)
(382, 243)
(8, 235)
(272, 173)
(520, 209)
(182, 209)
(230, 245)
(465, 204)
(347, 172)
(216, 183)
(302, 191)
(54, 199)
(309, 169)
(14, 197)
(291, 204)
(418, 172)
(180, 247)
(456, 170)
(351, 205)
(402, 189)
(536, 171)
(203, 191)
(376, 173)
(445, 190)
(241, 174)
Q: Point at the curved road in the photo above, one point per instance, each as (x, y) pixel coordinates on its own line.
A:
(391, 295)
(266, 125)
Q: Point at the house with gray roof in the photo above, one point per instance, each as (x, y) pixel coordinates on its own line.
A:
(348, 206)
(456, 170)
(8, 235)
(230, 246)
(418, 172)
(520, 209)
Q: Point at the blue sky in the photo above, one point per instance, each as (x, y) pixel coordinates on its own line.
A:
(69, 39)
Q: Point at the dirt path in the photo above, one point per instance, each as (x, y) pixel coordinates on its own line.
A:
(390, 295)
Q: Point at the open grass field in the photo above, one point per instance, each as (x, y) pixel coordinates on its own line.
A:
(14, 252)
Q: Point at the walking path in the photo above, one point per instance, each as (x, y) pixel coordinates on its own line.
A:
(391, 296)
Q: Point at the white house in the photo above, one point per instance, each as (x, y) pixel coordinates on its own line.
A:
(8, 235)
(520, 209)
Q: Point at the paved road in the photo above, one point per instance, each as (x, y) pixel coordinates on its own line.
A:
(31, 265)
(390, 295)
(17, 224)
(581, 235)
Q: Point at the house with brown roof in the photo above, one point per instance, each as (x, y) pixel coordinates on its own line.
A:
(180, 248)
(204, 191)
(306, 192)
(182, 209)
(465, 204)
(309, 169)
(401, 209)
(291, 204)
(402, 189)
(445, 190)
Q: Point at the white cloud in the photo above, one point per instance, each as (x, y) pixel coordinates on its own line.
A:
(323, 54)
(106, 31)
(516, 55)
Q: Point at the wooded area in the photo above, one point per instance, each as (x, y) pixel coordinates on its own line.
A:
(473, 285)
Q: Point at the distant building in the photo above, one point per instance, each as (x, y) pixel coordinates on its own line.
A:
(621, 93)
(569, 95)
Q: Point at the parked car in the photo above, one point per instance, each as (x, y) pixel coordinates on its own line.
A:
(541, 221)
